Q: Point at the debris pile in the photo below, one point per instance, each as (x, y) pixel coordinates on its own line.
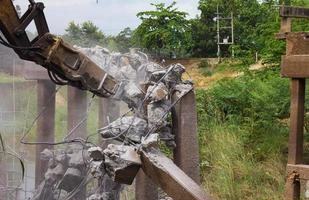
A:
(147, 88)
(66, 171)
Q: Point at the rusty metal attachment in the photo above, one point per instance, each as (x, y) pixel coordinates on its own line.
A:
(65, 64)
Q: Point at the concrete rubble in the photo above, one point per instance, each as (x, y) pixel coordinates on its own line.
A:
(66, 170)
(147, 89)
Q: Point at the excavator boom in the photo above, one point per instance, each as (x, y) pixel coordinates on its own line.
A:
(65, 65)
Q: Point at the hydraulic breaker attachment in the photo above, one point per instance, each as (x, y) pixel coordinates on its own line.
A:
(65, 65)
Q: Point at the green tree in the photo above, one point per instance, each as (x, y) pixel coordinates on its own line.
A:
(124, 40)
(165, 28)
(86, 34)
(255, 22)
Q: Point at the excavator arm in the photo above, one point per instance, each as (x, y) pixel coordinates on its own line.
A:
(65, 65)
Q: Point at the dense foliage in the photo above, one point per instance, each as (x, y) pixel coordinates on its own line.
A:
(243, 131)
(167, 31)
(165, 28)
(86, 34)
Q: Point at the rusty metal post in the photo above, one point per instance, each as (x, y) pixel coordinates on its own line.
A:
(186, 154)
(77, 110)
(45, 125)
(296, 135)
(109, 111)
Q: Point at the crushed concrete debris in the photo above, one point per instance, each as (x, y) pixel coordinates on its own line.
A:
(151, 141)
(96, 153)
(131, 127)
(146, 87)
(71, 179)
(122, 163)
(157, 92)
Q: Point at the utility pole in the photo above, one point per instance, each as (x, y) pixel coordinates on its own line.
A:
(218, 33)
(224, 41)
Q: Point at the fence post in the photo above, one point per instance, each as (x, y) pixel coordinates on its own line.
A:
(45, 125)
(109, 111)
(296, 135)
(77, 111)
(186, 154)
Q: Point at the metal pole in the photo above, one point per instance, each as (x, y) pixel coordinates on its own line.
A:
(233, 39)
(218, 33)
(45, 125)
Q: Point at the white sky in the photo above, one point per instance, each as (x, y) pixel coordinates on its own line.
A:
(111, 16)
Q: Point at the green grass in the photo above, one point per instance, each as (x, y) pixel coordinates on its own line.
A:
(231, 172)
(243, 136)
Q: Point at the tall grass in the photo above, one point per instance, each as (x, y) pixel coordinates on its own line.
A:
(243, 136)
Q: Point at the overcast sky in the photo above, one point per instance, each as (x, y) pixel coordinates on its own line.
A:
(111, 16)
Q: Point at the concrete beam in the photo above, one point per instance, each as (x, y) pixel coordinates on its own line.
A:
(145, 188)
(169, 177)
(109, 111)
(186, 154)
(77, 110)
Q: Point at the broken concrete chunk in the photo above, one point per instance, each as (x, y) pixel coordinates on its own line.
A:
(132, 127)
(96, 153)
(97, 169)
(181, 89)
(145, 72)
(72, 179)
(46, 154)
(157, 75)
(78, 159)
(174, 74)
(157, 92)
(122, 163)
(151, 141)
(157, 114)
(53, 174)
(167, 136)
